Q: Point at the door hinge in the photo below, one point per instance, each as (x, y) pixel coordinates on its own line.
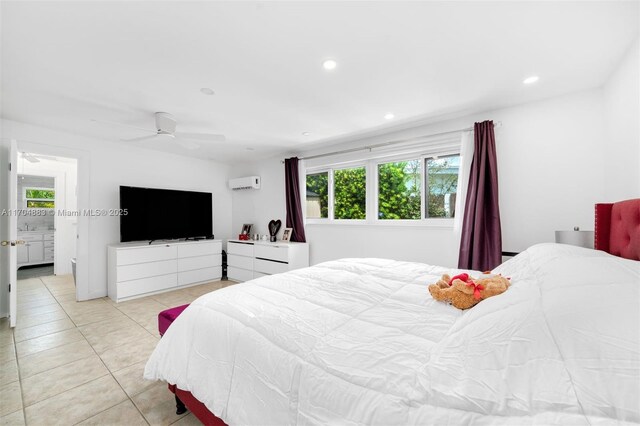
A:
(9, 288)
(9, 166)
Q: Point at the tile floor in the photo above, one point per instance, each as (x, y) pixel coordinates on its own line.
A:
(69, 362)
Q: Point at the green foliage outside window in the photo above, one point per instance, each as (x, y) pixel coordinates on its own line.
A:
(41, 194)
(349, 193)
(399, 190)
(35, 204)
(318, 193)
(442, 181)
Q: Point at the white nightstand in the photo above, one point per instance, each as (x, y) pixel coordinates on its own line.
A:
(575, 238)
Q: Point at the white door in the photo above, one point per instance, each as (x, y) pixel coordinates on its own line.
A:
(13, 232)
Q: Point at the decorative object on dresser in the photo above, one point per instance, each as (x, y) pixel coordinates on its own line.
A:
(254, 259)
(286, 235)
(575, 238)
(140, 269)
(274, 227)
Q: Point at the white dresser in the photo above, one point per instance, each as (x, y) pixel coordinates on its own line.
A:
(247, 260)
(140, 269)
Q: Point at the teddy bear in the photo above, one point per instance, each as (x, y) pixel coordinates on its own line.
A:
(464, 292)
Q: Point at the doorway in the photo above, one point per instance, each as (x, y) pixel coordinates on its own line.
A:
(78, 163)
(47, 197)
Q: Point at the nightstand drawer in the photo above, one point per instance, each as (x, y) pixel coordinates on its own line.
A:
(279, 253)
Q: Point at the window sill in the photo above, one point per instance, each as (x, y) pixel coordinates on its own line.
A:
(424, 223)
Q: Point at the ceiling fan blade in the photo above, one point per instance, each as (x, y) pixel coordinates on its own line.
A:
(140, 139)
(202, 136)
(123, 125)
(187, 144)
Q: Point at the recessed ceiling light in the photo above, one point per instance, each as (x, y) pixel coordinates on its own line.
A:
(207, 91)
(305, 133)
(329, 64)
(389, 116)
(531, 80)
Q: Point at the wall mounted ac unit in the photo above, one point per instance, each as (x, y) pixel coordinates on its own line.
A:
(249, 182)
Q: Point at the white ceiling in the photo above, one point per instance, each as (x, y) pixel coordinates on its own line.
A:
(66, 63)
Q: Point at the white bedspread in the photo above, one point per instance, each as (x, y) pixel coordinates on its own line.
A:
(360, 341)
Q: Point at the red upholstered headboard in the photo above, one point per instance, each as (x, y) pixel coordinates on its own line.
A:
(617, 229)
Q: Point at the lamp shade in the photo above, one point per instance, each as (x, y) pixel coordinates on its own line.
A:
(575, 238)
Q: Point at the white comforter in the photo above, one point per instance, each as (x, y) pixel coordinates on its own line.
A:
(360, 341)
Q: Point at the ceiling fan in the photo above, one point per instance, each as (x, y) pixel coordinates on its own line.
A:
(166, 128)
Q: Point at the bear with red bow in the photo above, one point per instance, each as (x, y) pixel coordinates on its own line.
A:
(464, 292)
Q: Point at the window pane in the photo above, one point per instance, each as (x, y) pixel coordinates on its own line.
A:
(442, 184)
(349, 188)
(399, 190)
(317, 196)
(41, 193)
(32, 204)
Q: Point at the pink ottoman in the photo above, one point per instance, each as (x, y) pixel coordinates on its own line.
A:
(165, 318)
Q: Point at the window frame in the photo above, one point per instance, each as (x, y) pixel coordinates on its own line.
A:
(27, 199)
(372, 196)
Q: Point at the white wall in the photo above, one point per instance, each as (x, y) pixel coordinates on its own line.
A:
(113, 164)
(550, 167)
(622, 109)
(259, 206)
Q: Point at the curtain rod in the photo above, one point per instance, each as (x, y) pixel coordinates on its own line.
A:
(390, 143)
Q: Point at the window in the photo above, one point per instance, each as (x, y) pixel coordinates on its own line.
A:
(404, 190)
(399, 190)
(350, 193)
(441, 180)
(318, 195)
(39, 198)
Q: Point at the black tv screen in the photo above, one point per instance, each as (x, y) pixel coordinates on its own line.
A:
(163, 214)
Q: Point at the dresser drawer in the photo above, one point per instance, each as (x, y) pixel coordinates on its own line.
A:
(259, 275)
(238, 274)
(280, 253)
(48, 244)
(146, 285)
(199, 275)
(240, 261)
(200, 262)
(146, 254)
(199, 249)
(242, 249)
(269, 267)
(148, 269)
(48, 237)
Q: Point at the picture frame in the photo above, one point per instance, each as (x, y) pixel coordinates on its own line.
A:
(286, 234)
(246, 228)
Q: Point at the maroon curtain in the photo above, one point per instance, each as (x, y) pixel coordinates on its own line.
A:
(294, 202)
(481, 241)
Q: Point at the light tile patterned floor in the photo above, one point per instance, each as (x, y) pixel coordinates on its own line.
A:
(69, 362)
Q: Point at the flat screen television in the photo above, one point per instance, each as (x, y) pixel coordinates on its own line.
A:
(163, 214)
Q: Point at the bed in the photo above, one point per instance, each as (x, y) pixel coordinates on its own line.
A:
(360, 341)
